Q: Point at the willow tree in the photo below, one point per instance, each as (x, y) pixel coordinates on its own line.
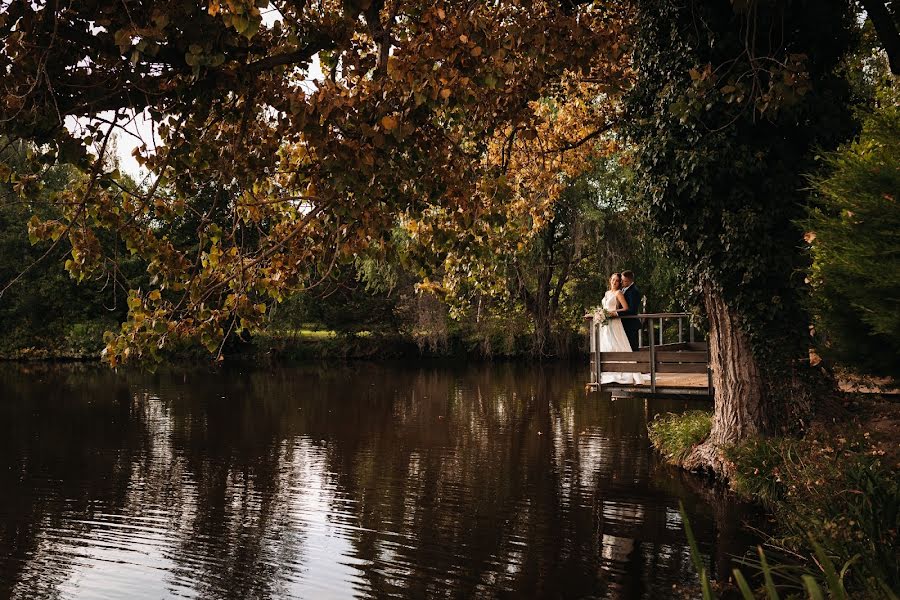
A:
(277, 178)
(731, 102)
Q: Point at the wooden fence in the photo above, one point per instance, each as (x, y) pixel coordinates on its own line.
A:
(686, 354)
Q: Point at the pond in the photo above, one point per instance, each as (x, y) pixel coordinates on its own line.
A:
(342, 480)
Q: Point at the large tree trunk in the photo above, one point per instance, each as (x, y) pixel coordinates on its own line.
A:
(742, 409)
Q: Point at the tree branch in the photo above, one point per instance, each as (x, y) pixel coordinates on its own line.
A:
(886, 29)
(594, 134)
(303, 55)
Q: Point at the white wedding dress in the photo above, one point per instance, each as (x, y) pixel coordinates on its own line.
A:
(613, 339)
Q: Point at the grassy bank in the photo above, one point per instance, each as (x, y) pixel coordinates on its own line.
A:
(836, 489)
(84, 342)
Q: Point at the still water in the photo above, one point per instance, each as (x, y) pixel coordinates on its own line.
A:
(357, 480)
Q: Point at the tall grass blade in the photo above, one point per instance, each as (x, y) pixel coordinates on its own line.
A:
(771, 592)
(835, 587)
(742, 584)
(888, 592)
(695, 555)
(812, 588)
(705, 587)
(692, 541)
(847, 565)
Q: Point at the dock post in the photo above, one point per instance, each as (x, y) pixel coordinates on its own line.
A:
(680, 330)
(653, 359)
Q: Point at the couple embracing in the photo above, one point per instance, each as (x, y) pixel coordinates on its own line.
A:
(621, 335)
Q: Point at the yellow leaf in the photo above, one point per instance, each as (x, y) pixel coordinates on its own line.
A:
(155, 295)
(388, 122)
(213, 7)
(445, 93)
(476, 51)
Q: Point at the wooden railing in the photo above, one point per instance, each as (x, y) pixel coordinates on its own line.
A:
(689, 354)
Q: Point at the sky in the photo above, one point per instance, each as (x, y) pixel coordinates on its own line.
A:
(140, 130)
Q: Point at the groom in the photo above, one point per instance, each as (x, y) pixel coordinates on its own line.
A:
(633, 298)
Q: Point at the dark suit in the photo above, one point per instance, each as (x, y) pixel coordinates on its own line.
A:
(632, 326)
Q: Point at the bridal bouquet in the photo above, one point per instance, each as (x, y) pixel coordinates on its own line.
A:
(601, 316)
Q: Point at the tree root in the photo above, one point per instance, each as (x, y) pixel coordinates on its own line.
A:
(707, 458)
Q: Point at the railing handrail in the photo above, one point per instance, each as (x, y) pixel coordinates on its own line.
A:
(644, 316)
(595, 325)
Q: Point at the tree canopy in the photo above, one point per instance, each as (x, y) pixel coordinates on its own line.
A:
(262, 180)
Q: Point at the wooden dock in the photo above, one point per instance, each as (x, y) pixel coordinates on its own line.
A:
(678, 368)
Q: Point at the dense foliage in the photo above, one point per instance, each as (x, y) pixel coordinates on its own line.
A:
(843, 488)
(732, 101)
(252, 159)
(47, 312)
(854, 233)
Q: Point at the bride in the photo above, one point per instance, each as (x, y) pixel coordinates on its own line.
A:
(612, 334)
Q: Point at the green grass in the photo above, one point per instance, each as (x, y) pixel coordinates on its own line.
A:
(675, 435)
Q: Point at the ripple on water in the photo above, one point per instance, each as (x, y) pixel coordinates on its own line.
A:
(472, 482)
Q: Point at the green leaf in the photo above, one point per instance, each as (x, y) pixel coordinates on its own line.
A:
(812, 588)
(705, 586)
(771, 591)
(835, 586)
(692, 541)
(743, 586)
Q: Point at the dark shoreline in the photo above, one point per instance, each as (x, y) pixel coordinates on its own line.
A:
(281, 349)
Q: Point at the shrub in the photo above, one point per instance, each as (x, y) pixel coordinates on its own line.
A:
(835, 486)
(853, 236)
(675, 435)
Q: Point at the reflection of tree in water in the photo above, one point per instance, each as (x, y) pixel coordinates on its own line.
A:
(226, 486)
(481, 501)
(443, 482)
(64, 454)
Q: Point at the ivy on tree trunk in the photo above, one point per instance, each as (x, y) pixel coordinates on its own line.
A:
(732, 101)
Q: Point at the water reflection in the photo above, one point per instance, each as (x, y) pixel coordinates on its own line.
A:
(355, 480)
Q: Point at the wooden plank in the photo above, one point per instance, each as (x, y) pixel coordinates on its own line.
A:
(639, 355)
(697, 346)
(673, 346)
(625, 367)
(680, 368)
(684, 357)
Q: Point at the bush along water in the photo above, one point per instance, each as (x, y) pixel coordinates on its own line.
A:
(835, 498)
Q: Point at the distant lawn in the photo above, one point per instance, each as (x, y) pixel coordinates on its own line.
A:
(306, 334)
(314, 334)
(303, 334)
